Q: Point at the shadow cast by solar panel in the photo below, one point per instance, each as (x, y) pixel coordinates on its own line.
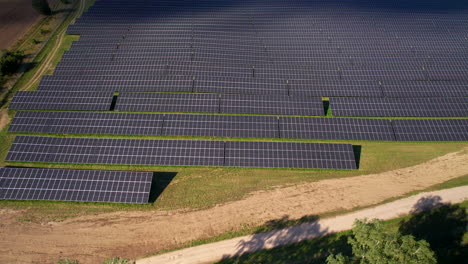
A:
(357, 154)
(114, 102)
(159, 183)
(326, 106)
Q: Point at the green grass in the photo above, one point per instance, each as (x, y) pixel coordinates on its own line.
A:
(444, 228)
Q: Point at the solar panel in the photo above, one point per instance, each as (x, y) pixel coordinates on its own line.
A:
(411, 107)
(272, 105)
(75, 185)
(290, 155)
(221, 126)
(431, 129)
(48, 100)
(87, 123)
(166, 102)
(336, 128)
(117, 151)
(425, 89)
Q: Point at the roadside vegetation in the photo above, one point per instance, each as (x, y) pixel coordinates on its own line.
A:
(435, 236)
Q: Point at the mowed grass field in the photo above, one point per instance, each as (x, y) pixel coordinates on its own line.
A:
(202, 187)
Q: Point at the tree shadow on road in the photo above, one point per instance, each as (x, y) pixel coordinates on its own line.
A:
(442, 225)
(282, 232)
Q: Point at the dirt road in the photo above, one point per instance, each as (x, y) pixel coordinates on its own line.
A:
(216, 251)
(91, 239)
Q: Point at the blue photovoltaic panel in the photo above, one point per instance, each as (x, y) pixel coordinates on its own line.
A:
(431, 129)
(87, 123)
(290, 155)
(51, 100)
(75, 185)
(272, 105)
(411, 107)
(336, 128)
(221, 126)
(166, 102)
(117, 151)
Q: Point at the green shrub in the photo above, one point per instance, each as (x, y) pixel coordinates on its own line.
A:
(117, 260)
(67, 261)
(42, 6)
(44, 31)
(10, 61)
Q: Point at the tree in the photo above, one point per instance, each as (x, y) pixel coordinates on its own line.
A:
(371, 244)
(42, 6)
(10, 61)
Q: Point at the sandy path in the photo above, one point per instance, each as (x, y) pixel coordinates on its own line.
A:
(210, 253)
(133, 234)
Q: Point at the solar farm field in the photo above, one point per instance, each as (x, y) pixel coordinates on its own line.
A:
(148, 82)
(176, 106)
(186, 104)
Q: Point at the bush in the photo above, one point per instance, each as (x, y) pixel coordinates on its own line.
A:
(10, 61)
(42, 6)
(117, 260)
(372, 244)
(67, 261)
(35, 41)
(44, 31)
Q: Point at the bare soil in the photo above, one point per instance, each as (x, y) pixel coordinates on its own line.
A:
(90, 239)
(16, 18)
(4, 118)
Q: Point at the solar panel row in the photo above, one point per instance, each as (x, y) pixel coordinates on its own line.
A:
(411, 107)
(182, 153)
(239, 126)
(75, 185)
(59, 100)
(213, 103)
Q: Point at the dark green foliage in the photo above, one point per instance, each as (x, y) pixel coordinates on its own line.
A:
(44, 31)
(443, 228)
(10, 61)
(42, 6)
(371, 244)
(314, 251)
(65, 1)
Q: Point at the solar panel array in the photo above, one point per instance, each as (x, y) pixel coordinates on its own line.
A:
(357, 48)
(166, 102)
(181, 153)
(234, 126)
(221, 126)
(212, 103)
(117, 151)
(58, 100)
(431, 129)
(336, 128)
(427, 107)
(75, 185)
(272, 105)
(290, 155)
(264, 57)
(87, 123)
